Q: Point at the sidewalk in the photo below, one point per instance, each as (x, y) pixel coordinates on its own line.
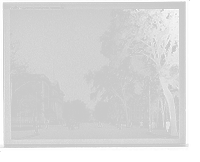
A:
(161, 133)
(23, 134)
(90, 131)
(157, 132)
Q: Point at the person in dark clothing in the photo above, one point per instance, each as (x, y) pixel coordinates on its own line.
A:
(99, 125)
(167, 125)
(46, 123)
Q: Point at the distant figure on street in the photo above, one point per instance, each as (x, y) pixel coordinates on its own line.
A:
(167, 125)
(141, 123)
(118, 124)
(46, 123)
(99, 125)
(153, 124)
(131, 123)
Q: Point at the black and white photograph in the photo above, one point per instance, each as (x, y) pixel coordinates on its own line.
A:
(94, 74)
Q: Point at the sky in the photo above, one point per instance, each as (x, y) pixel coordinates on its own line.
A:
(62, 44)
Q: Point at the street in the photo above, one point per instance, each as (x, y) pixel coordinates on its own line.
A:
(89, 131)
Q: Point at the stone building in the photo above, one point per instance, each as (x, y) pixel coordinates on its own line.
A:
(51, 95)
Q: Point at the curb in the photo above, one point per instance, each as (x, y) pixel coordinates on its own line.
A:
(162, 136)
(29, 136)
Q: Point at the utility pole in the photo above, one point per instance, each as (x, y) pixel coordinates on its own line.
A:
(36, 126)
(149, 108)
(149, 86)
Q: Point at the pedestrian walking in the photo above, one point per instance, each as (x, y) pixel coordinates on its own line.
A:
(99, 125)
(46, 123)
(167, 125)
(131, 123)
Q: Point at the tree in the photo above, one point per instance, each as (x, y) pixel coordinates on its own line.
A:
(163, 108)
(114, 110)
(79, 110)
(67, 115)
(155, 109)
(149, 38)
(157, 106)
(101, 110)
(119, 83)
(162, 103)
(50, 114)
(74, 113)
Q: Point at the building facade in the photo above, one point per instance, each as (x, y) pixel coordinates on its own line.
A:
(50, 93)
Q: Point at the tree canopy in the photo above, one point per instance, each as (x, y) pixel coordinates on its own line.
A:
(119, 83)
(153, 34)
(150, 33)
(101, 111)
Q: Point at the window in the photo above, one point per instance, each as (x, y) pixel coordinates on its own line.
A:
(46, 90)
(46, 103)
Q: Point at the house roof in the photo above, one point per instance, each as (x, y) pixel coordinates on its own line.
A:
(57, 87)
(41, 77)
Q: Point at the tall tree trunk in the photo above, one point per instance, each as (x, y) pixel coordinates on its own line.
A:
(161, 104)
(33, 118)
(126, 115)
(157, 119)
(163, 119)
(170, 101)
(20, 119)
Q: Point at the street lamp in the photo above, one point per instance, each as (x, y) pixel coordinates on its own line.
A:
(36, 119)
(148, 80)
